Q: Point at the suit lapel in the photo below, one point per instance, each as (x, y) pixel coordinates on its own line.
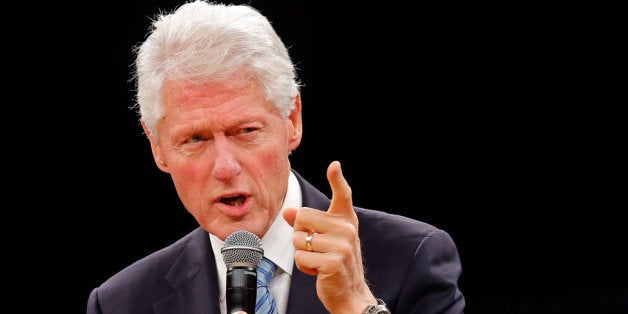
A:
(193, 279)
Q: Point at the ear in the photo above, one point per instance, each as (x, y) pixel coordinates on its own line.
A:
(295, 125)
(154, 146)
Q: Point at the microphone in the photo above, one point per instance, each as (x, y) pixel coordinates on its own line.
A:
(242, 254)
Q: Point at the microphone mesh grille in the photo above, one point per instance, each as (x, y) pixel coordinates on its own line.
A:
(242, 247)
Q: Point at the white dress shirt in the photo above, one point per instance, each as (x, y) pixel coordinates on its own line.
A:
(278, 247)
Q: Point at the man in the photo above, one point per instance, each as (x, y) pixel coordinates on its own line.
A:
(220, 104)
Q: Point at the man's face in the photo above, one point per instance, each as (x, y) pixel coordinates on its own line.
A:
(226, 149)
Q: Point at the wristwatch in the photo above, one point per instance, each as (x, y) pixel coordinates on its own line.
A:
(379, 308)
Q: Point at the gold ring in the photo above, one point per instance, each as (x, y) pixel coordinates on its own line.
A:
(308, 242)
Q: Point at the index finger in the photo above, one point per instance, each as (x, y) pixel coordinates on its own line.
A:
(341, 201)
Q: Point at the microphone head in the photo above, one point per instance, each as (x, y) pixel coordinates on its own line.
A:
(242, 248)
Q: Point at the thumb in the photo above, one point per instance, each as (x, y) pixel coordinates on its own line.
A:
(341, 201)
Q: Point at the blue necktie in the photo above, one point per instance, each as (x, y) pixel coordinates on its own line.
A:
(265, 301)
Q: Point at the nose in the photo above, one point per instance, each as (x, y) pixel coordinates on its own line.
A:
(226, 166)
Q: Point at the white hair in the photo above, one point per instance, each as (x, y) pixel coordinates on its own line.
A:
(209, 42)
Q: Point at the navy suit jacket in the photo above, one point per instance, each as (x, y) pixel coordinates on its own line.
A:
(412, 266)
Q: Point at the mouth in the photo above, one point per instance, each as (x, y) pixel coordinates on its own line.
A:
(235, 205)
(235, 200)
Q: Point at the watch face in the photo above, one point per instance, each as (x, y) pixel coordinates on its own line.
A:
(377, 309)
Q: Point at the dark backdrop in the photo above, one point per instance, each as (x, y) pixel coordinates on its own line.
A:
(502, 123)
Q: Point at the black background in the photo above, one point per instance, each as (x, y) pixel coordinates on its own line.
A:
(503, 123)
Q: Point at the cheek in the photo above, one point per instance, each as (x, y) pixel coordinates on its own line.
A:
(188, 178)
(185, 169)
(273, 159)
(269, 165)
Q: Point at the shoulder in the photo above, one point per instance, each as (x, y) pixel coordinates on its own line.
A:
(408, 239)
(152, 268)
(185, 264)
(410, 264)
(392, 225)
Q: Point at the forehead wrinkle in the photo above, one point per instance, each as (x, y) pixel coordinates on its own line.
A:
(218, 117)
(183, 91)
(209, 105)
(191, 97)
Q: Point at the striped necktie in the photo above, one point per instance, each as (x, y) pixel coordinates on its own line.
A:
(265, 301)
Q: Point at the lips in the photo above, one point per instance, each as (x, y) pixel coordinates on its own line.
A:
(235, 205)
(236, 200)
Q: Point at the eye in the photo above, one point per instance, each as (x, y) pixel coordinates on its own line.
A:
(247, 130)
(195, 138)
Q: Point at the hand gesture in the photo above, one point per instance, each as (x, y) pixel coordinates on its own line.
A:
(328, 246)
